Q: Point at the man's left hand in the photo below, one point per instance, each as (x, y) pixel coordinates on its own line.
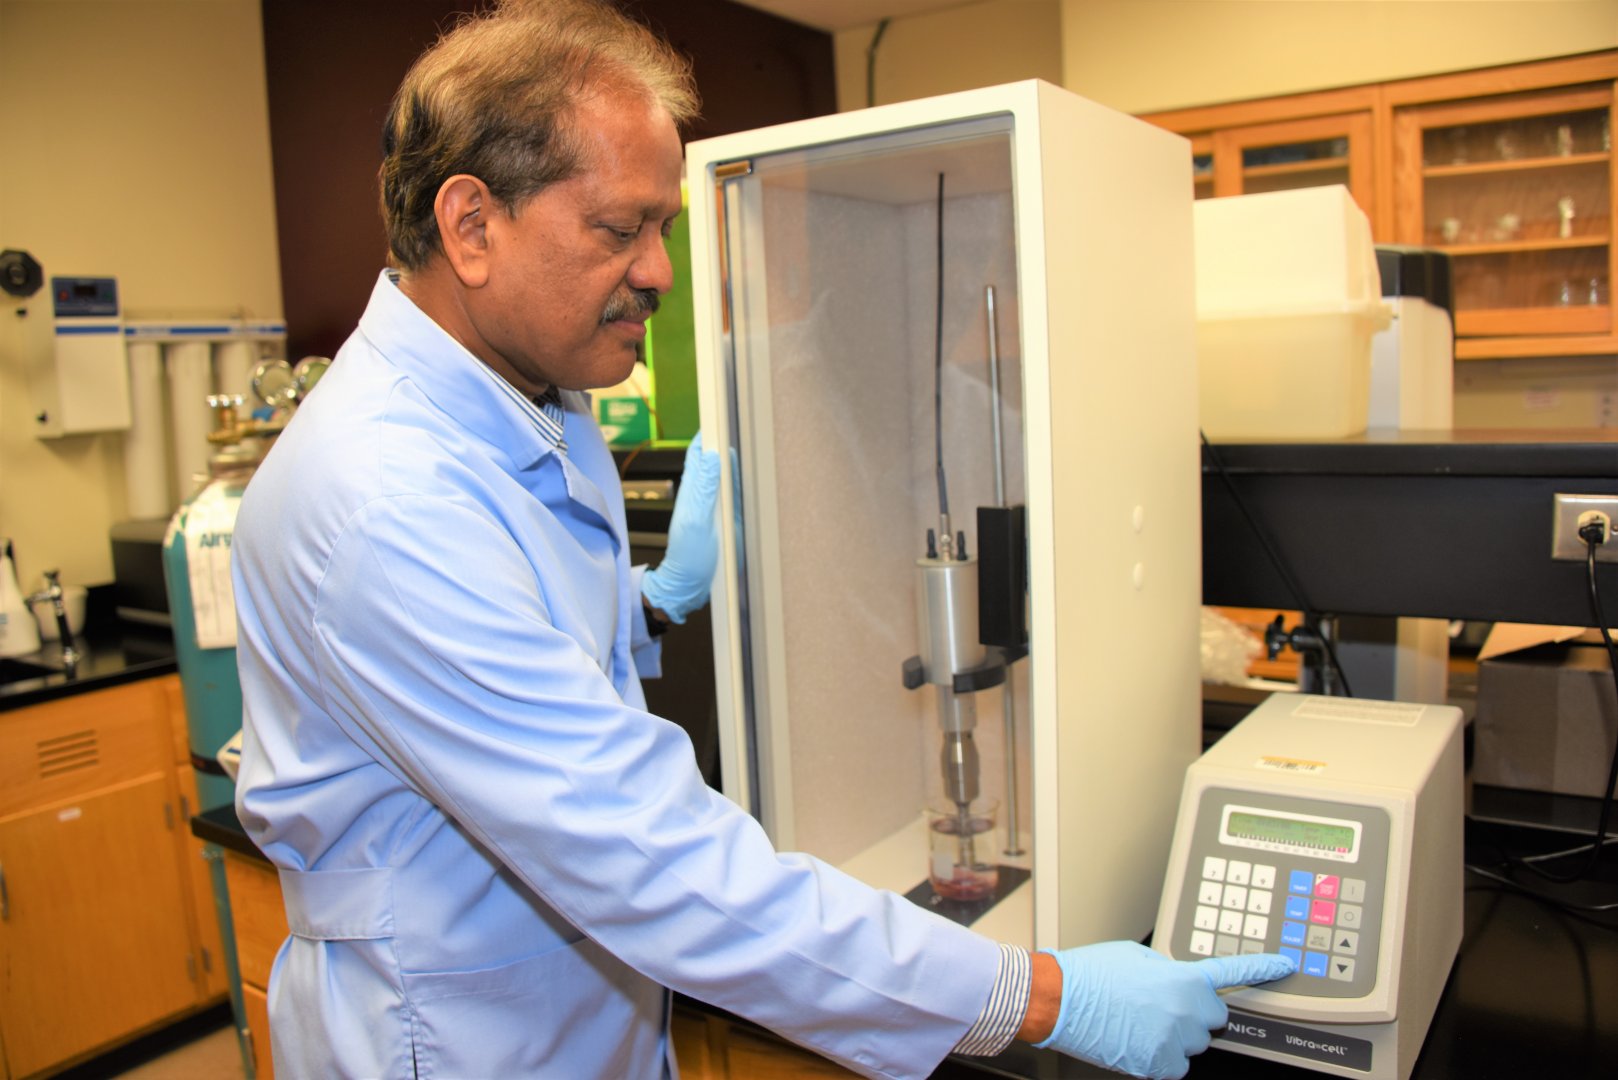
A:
(679, 585)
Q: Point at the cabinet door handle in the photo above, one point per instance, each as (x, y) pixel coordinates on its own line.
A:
(5, 897)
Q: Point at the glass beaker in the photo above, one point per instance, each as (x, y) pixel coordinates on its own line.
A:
(961, 849)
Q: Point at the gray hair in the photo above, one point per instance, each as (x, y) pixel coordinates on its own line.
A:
(494, 97)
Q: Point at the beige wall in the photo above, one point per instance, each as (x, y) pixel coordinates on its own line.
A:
(136, 142)
(958, 48)
(1147, 55)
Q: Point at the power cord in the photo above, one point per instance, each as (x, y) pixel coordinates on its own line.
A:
(1565, 905)
(1594, 532)
(1311, 618)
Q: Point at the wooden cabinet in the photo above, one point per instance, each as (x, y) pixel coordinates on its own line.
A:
(261, 926)
(1518, 189)
(1311, 152)
(710, 1047)
(92, 947)
(256, 1004)
(98, 931)
(1275, 144)
(213, 978)
(741, 1052)
(1508, 169)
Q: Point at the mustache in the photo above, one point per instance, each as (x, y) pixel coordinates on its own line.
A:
(630, 303)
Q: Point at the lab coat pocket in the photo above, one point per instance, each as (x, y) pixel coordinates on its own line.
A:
(573, 1012)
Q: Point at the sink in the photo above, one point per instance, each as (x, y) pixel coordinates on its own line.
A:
(15, 670)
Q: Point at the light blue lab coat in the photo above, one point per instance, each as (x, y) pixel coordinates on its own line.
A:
(494, 859)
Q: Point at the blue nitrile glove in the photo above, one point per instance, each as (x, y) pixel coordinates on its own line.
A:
(1134, 1010)
(679, 585)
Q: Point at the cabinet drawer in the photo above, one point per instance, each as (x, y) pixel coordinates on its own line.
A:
(257, 911)
(76, 745)
(257, 1006)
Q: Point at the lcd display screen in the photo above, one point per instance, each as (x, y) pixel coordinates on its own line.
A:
(1299, 834)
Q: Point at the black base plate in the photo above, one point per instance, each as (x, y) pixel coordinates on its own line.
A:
(967, 912)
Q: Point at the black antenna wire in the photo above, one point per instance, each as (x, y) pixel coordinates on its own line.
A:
(1310, 615)
(870, 62)
(938, 361)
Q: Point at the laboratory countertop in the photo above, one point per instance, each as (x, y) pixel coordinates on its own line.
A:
(112, 652)
(1534, 991)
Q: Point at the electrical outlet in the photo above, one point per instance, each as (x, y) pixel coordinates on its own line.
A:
(1566, 543)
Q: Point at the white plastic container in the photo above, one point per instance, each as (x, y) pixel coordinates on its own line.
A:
(1288, 299)
(18, 634)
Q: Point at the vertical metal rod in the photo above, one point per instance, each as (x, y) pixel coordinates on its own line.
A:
(1007, 689)
(994, 397)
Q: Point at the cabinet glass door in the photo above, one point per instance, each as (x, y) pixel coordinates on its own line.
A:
(1296, 154)
(1519, 191)
(1202, 167)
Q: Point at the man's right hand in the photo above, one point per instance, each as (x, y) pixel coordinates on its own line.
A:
(1131, 1009)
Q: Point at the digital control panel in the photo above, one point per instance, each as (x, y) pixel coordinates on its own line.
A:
(1281, 873)
(84, 297)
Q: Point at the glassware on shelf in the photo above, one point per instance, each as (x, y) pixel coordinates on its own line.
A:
(1591, 292)
(1459, 153)
(1518, 192)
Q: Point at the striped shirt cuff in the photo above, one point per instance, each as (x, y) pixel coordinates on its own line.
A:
(1003, 1013)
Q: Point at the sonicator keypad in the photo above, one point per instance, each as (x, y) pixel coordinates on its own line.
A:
(1318, 909)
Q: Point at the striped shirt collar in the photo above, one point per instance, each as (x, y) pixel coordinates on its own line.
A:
(546, 412)
(551, 415)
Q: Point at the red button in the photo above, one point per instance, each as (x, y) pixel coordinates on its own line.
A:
(1326, 886)
(1323, 912)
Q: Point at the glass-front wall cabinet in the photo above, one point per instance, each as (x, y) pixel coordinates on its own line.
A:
(1519, 190)
(1314, 152)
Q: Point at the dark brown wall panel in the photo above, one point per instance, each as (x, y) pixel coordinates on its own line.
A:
(332, 68)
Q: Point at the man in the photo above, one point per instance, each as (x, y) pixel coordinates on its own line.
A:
(494, 859)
